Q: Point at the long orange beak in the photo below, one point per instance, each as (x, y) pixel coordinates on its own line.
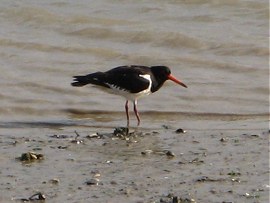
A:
(170, 77)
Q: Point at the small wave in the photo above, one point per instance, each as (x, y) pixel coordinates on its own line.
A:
(164, 39)
(108, 33)
(222, 3)
(178, 40)
(101, 52)
(35, 15)
(81, 19)
(41, 16)
(231, 67)
(38, 87)
(241, 50)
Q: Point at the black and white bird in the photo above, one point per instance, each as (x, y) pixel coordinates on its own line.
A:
(131, 82)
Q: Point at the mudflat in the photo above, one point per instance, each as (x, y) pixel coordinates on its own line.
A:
(202, 159)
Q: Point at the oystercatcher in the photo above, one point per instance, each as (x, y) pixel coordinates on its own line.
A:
(131, 82)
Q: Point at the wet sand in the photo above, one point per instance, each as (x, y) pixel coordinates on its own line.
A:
(218, 159)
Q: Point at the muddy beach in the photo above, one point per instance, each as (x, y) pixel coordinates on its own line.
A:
(215, 159)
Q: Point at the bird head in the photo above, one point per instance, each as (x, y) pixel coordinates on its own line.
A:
(163, 73)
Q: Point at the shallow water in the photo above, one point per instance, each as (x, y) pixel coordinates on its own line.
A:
(218, 48)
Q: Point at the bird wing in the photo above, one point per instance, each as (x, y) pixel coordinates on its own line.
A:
(128, 78)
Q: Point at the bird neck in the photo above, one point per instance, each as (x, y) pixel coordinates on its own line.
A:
(156, 85)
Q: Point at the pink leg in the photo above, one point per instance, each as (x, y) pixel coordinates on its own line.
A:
(136, 112)
(126, 107)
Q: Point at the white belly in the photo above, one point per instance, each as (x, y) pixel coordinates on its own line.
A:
(130, 96)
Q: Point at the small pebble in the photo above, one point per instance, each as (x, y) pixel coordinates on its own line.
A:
(171, 198)
(235, 180)
(113, 182)
(59, 136)
(254, 135)
(202, 179)
(170, 154)
(121, 131)
(93, 181)
(37, 196)
(54, 181)
(31, 156)
(233, 173)
(76, 141)
(95, 135)
(213, 191)
(147, 151)
(223, 139)
(166, 127)
(96, 175)
(62, 147)
(180, 130)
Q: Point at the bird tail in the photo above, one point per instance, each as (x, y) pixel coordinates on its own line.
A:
(81, 80)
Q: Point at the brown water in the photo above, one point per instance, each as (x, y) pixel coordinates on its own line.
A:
(218, 48)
